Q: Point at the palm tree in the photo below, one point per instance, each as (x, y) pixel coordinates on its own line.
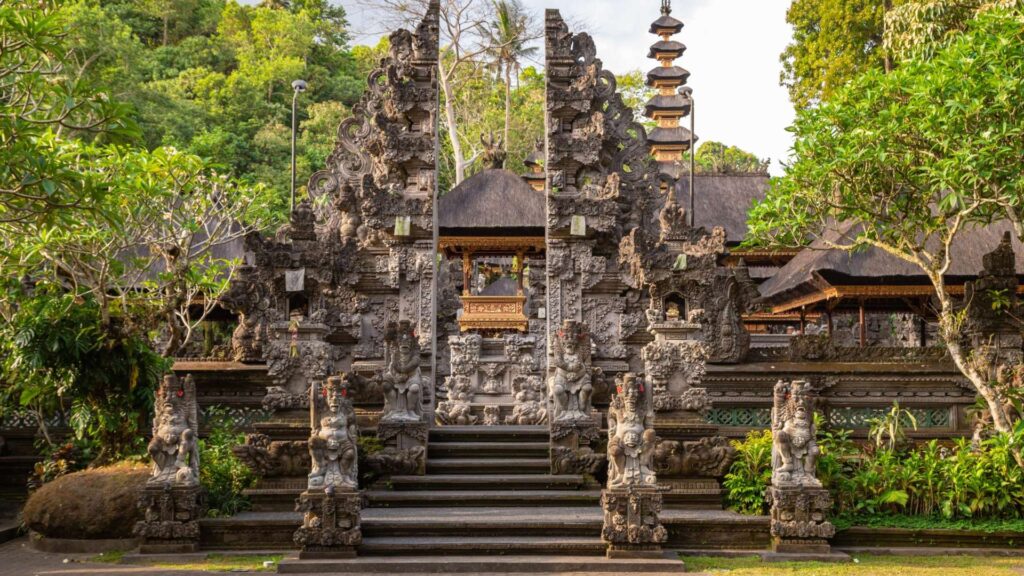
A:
(507, 37)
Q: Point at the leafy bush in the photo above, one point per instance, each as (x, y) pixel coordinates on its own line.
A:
(60, 357)
(952, 481)
(222, 474)
(750, 474)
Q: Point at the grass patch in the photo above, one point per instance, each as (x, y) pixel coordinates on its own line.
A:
(929, 523)
(865, 565)
(228, 563)
(108, 557)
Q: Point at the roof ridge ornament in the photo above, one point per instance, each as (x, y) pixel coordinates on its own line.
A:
(666, 7)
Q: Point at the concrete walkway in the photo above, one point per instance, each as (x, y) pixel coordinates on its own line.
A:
(17, 559)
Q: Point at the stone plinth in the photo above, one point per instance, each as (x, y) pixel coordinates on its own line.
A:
(405, 448)
(799, 520)
(171, 515)
(571, 452)
(330, 523)
(631, 525)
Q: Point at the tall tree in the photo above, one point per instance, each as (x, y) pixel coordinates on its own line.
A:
(911, 160)
(508, 36)
(833, 41)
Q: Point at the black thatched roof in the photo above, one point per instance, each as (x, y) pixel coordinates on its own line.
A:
(492, 199)
(817, 264)
(723, 200)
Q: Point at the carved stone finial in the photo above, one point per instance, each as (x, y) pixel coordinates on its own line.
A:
(174, 449)
(666, 7)
(494, 152)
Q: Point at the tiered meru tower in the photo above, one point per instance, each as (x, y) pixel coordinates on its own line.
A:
(668, 140)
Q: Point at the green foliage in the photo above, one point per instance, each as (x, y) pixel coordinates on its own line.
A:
(833, 42)
(222, 474)
(905, 155)
(888, 430)
(717, 158)
(58, 358)
(918, 28)
(750, 474)
(955, 481)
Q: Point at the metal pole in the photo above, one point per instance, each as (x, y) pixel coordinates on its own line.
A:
(291, 204)
(693, 218)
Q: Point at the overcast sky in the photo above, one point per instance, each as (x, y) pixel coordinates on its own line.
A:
(733, 49)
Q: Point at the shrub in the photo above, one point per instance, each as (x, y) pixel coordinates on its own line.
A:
(95, 503)
(750, 474)
(222, 474)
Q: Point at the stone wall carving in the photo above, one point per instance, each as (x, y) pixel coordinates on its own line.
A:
(402, 380)
(273, 458)
(571, 384)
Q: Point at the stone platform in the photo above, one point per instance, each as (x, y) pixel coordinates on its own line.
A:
(484, 565)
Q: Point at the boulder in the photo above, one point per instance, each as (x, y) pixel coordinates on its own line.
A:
(91, 504)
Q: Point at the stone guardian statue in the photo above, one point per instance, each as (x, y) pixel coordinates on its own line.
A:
(570, 385)
(174, 449)
(402, 382)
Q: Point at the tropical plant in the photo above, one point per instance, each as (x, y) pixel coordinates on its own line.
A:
(508, 35)
(750, 474)
(888, 430)
(221, 473)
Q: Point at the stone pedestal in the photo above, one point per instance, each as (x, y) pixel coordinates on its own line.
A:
(570, 447)
(171, 515)
(405, 448)
(799, 517)
(631, 525)
(330, 523)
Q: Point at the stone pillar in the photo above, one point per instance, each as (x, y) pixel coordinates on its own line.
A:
(171, 515)
(799, 504)
(330, 523)
(172, 500)
(632, 498)
(331, 502)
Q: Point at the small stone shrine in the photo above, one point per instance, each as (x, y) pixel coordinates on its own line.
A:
(799, 504)
(172, 500)
(331, 502)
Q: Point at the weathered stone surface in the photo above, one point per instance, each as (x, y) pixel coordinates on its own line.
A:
(170, 518)
(330, 523)
(174, 448)
(332, 442)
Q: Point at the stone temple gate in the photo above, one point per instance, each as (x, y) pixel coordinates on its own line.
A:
(505, 349)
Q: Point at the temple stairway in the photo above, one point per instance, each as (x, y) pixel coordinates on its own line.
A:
(486, 504)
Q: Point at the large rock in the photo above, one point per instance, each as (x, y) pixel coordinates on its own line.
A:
(97, 503)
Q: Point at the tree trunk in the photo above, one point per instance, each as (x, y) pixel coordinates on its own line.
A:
(166, 25)
(508, 101)
(453, 132)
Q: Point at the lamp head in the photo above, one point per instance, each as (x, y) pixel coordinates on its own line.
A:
(299, 85)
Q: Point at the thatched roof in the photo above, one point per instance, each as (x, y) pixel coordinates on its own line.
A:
(492, 199)
(723, 200)
(818, 266)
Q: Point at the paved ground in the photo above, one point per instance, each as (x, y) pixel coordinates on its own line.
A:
(17, 559)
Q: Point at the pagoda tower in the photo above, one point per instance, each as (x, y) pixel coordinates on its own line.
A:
(668, 140)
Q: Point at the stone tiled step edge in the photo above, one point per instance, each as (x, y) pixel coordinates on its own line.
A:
(867, 537)
(715, 530)
(480, 449)
(489, 433)
(484, 545)
(9, 529)
(487, 465)
(478, 498)
(485, 481)
(480, 564)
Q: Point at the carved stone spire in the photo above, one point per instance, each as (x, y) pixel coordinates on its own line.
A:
(667, 140)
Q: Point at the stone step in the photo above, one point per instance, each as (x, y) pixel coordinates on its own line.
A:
(489, 433)
(468, 523)
(482, 545)
(488, 465)
(479, 498)
(488, 482)
(482, 565)
(451, 449)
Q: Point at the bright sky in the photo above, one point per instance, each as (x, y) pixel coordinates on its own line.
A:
(733, 49)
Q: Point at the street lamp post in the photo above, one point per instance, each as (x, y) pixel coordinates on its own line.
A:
(687, 93)
(298, 86)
